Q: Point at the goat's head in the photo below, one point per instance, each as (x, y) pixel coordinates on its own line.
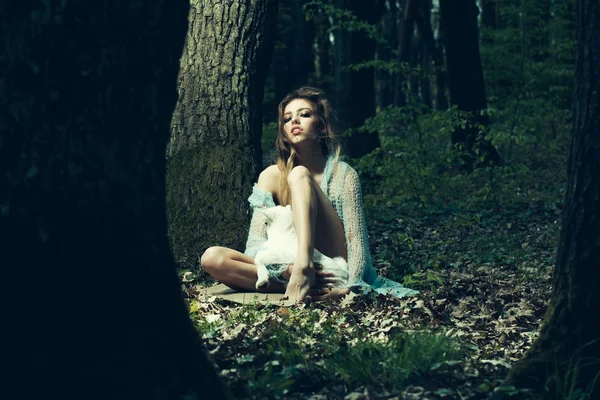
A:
(279, 216)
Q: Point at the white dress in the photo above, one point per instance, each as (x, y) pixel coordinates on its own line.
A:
(341, 185)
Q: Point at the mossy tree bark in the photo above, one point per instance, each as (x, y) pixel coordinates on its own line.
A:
(570, 335)
(87, 93)
(214, 154)
(458, 20)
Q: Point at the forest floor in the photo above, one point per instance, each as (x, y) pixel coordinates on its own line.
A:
(484, 278)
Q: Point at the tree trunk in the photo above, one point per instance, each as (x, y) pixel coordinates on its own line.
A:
(404, 50)
(434, 49)
(88, 89)
(389, 28)
(570, 333)
(293, 61)
(324, 78)
(353, 48)
(214, 153)
(465, 81)
(425, 84)
(488, 14)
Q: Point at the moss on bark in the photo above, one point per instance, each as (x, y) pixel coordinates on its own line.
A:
(214, 152)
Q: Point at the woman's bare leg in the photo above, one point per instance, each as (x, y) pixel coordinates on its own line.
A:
(312, 212)
(234, 269)
(304, 209)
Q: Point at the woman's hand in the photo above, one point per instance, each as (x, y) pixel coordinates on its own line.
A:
(326, 279)
(322, 294)
(324, 289)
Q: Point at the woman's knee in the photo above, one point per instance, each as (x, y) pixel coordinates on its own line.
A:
(212, 259)
(298, 174)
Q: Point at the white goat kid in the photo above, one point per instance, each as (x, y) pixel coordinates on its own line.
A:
(282, 245)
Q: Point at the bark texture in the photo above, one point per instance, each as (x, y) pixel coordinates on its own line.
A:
(214, 154)
(465, 79)
(570, 333)
(87, 90)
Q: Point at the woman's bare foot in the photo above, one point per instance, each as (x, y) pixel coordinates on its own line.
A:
(301, 279)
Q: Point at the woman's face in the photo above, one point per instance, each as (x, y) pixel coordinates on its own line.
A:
(300, 122)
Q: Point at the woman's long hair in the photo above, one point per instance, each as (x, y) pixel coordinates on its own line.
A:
(287, 158)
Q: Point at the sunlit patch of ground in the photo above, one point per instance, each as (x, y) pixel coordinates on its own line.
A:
(479, 310)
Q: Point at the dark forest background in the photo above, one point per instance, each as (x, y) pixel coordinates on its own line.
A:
(426, 91)
(457, 106)
(457, 116)
(129, 143)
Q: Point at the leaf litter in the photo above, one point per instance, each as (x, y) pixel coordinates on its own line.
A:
(493, 310)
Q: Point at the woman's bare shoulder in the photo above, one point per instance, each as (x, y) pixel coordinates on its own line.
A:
(269, 179)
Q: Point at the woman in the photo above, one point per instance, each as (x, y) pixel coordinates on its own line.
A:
(326, 202)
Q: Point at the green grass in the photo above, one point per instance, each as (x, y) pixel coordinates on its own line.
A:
(310, 348)
(567, 383)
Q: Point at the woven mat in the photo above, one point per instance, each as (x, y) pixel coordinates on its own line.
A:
(224, 292)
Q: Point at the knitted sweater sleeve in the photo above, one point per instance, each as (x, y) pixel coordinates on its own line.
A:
(257, 234)
(359, 257)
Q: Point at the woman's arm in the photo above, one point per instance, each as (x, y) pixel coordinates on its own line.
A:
(262, 196)
(355, 226)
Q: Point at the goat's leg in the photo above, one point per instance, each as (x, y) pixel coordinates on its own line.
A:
(262, 281)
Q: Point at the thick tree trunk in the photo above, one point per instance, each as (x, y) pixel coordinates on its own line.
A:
(465, 80)
(214, 153)
(570, 334)
(88, 89)
(353, 48)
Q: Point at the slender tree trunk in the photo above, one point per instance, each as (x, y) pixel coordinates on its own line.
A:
(293, 61)
(324, 78)
(404, 50)
(389, 28)
(214, 153)
(570, 334)
(415, 62)
(435, 51)
(425, 85)
(488, 14)
(88, 89)
(465, 80)
(353, 48)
